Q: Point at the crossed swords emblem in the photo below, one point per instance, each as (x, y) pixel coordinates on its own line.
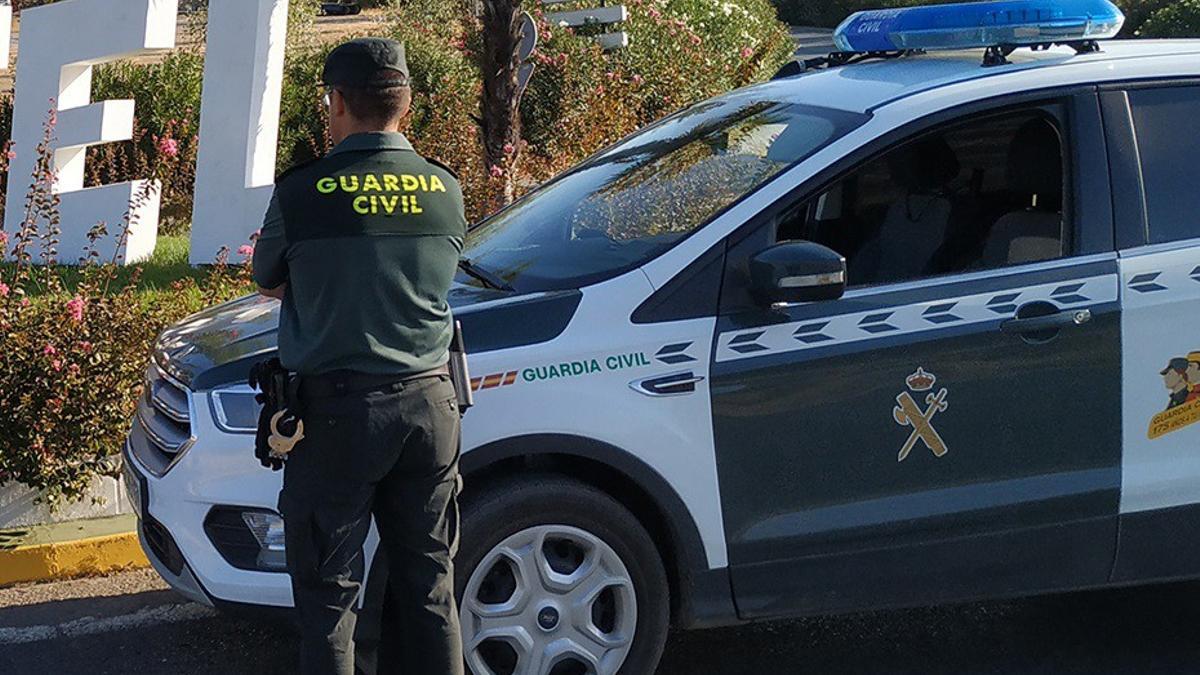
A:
(908, 413)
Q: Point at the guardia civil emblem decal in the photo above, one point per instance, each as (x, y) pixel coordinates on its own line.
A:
(908, 413)
(1182, 379)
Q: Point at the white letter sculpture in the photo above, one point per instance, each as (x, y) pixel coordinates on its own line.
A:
(59, 45)
(239, 123)
(5, 34)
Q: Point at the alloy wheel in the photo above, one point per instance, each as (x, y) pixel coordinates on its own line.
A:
(549, 600)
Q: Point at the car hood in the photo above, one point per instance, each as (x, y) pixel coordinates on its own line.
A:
(217, 346)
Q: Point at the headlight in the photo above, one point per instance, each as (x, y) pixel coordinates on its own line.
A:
(235, 410)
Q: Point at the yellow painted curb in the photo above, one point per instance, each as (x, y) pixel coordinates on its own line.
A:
(70, 559)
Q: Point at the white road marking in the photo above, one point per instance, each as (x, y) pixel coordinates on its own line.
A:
(88, 625)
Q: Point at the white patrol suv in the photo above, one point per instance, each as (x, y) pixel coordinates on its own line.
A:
(902, 329)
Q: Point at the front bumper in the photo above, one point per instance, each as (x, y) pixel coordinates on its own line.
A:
(160, 549)
(184, 582)
(173, 500)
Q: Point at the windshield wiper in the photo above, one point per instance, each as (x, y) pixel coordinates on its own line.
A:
(489, 279)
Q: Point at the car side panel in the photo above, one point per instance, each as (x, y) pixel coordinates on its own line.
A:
(821, 516)
(1160, 295)
(1160, 495)
(580, 384)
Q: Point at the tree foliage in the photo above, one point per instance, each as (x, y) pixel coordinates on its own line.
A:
(1178, 19)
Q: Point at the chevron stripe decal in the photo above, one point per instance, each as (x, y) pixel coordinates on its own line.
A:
(929, 317)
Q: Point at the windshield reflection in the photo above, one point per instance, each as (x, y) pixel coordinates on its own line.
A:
(633, 201)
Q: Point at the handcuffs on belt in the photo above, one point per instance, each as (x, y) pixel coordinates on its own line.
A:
(280, 427)
(281, 445)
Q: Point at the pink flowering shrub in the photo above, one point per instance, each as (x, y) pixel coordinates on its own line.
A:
(168, 147)
(73, 355)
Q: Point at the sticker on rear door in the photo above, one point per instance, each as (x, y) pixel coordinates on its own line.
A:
(1181, 377)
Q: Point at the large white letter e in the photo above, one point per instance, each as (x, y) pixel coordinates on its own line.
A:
(59, 45)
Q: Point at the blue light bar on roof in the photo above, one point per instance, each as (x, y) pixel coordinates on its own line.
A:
(979, 24)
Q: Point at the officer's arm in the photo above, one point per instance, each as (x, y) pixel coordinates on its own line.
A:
(270, 254)
(461, 208)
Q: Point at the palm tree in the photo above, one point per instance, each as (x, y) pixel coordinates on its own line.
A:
(500, 106)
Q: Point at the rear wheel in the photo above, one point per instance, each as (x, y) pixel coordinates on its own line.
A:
(555, 577)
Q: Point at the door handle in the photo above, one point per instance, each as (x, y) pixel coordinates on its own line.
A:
(675, 384)
(1048, 322)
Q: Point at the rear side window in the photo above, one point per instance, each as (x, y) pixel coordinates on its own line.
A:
(1167, 122)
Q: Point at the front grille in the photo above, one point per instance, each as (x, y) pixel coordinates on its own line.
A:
(162, 428)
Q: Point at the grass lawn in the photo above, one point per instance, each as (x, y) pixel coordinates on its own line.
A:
(168, 264)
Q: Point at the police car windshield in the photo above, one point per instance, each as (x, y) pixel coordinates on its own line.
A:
(636, 199)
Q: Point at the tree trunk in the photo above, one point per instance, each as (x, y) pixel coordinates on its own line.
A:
(500, 113)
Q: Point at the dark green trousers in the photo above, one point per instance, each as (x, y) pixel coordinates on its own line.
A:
(391, 452)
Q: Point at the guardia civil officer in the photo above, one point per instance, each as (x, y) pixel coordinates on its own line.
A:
(361, 247)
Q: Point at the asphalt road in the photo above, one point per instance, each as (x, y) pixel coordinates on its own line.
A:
(130, 624)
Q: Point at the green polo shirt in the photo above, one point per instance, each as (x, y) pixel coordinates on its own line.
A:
(367, 240)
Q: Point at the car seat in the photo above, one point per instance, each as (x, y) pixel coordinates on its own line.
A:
(1035, 176)
(914, 227)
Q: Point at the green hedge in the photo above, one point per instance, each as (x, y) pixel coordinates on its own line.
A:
(1180, 19)
(1138, 11)
(162, 91)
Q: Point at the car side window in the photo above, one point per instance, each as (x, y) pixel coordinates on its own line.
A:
(1167, 123)
(980, 195)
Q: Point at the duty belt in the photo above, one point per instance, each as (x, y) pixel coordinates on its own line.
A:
(339, 383)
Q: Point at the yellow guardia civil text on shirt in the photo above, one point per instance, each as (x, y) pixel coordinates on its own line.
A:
(377, 193)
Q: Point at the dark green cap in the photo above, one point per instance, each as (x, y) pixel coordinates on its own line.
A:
(1178, 364)
(366, 63)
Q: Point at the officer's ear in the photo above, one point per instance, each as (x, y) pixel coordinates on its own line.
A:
(405, 102)
(337, 104)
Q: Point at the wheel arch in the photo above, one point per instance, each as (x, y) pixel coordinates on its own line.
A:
(700, 597)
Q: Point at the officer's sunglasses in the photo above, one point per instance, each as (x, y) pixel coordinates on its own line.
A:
(399, 82)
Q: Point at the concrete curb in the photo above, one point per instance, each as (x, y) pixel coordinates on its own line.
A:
(66, 558)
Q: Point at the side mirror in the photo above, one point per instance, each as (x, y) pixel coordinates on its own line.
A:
(797, 271)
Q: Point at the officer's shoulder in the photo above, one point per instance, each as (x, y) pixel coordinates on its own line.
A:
(442, 166)
(295, 168)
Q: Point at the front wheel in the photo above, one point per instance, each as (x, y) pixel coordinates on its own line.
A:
(555, 577)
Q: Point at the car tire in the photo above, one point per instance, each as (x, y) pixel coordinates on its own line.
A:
(501, 526)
